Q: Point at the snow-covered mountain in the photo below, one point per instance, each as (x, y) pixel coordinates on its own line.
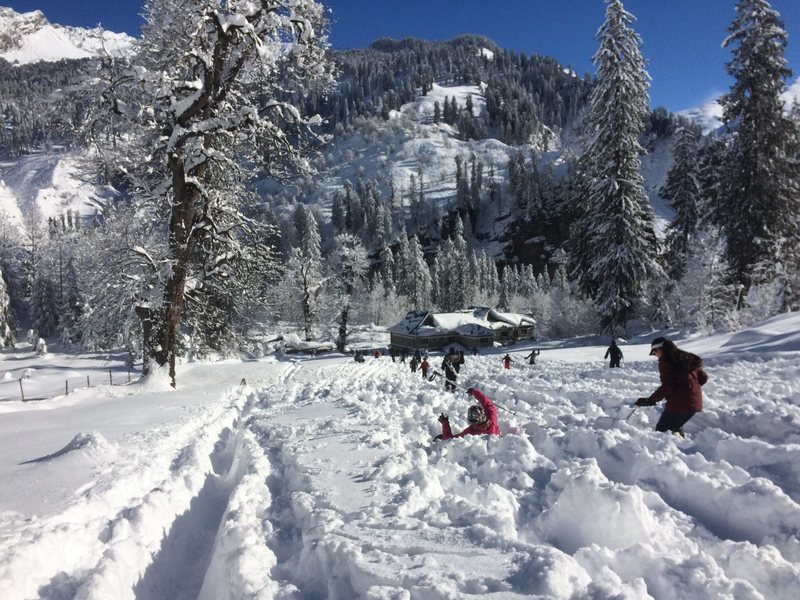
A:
(709, 115)
(29, 37)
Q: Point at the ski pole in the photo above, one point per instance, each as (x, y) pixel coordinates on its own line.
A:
(630, 413)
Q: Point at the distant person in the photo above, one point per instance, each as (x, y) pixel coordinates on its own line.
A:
(418, 356)
(413, 365)
(425, 366)
(475, 351)
(532, 356)
(507, 361)
(458, 360)
(377, 354)
(359, 357)
(450, 373)
(393, 353)
(482, 418)
(615, 353)
(682, 377)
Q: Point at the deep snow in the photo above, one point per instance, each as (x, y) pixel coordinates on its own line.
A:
(317, 478)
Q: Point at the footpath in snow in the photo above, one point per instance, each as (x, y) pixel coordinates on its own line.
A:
(319, 478)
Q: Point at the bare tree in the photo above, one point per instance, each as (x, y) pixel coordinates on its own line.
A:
(206, 93)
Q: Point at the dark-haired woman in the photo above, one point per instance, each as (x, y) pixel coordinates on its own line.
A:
(682, 377)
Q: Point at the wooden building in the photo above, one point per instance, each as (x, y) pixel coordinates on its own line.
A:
(474, 328)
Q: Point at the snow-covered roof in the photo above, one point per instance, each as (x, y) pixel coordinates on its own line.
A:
(473, 322)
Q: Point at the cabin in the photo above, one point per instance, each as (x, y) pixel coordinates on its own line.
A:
(473, 328)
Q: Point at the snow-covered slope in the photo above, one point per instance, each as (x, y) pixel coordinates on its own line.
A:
(50, 184)
(30, 37)
(317, 478)
(709, 115)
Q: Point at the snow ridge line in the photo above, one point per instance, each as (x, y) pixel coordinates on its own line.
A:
(137, 535)
(119, 539)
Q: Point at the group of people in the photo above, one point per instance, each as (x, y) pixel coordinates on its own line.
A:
(420, 361)
(681, 374)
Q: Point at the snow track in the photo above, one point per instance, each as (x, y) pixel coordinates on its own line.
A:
(119, 521)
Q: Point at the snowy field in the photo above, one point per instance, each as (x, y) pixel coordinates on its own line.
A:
(317, 478)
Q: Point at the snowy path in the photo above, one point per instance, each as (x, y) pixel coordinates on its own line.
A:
(318, 479)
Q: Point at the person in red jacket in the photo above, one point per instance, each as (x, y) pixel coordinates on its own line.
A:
(507, 362)
(425, 366)
(682, 377)
(482, 418)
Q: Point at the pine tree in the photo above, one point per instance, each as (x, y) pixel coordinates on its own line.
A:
(304, 273)
(614, 238)
(387, 270)
(72, 306)
(462, 279)
(419, 285)
(682, 191)
(44, 305)
(349, 263)
(761, 193)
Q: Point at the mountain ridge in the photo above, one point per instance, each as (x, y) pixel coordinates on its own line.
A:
(29, 37)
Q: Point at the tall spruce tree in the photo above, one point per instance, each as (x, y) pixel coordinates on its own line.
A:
(613, 241)
(304, 274)
(682, 191)
(761, 194)
(349, 264)
(419, 286)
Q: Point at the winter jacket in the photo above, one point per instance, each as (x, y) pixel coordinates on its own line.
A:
(491, 416)
(507, 361)
(680, 387)
(614, 351)
(425, 366)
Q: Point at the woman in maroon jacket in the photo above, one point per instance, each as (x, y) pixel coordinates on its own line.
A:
(482, 419)
(682, 377)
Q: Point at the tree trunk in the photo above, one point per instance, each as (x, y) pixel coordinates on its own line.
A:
(182, 240)
(145, 317)
(341, 341)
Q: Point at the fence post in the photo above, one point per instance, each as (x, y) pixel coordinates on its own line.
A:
(21, 391)
(110, 378)
(87, 382)
(66, 384)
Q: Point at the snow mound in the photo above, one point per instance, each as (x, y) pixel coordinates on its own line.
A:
(91, 446)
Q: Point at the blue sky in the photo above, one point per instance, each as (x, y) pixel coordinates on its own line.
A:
(681, 38)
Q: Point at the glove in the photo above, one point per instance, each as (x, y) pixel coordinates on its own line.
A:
(443, 419)
(469, 391)
(645, 402)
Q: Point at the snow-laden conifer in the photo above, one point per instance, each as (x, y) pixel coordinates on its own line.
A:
(613, 243)
(418, 283)
(682, 191)
(760, 209)
(349, 265)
